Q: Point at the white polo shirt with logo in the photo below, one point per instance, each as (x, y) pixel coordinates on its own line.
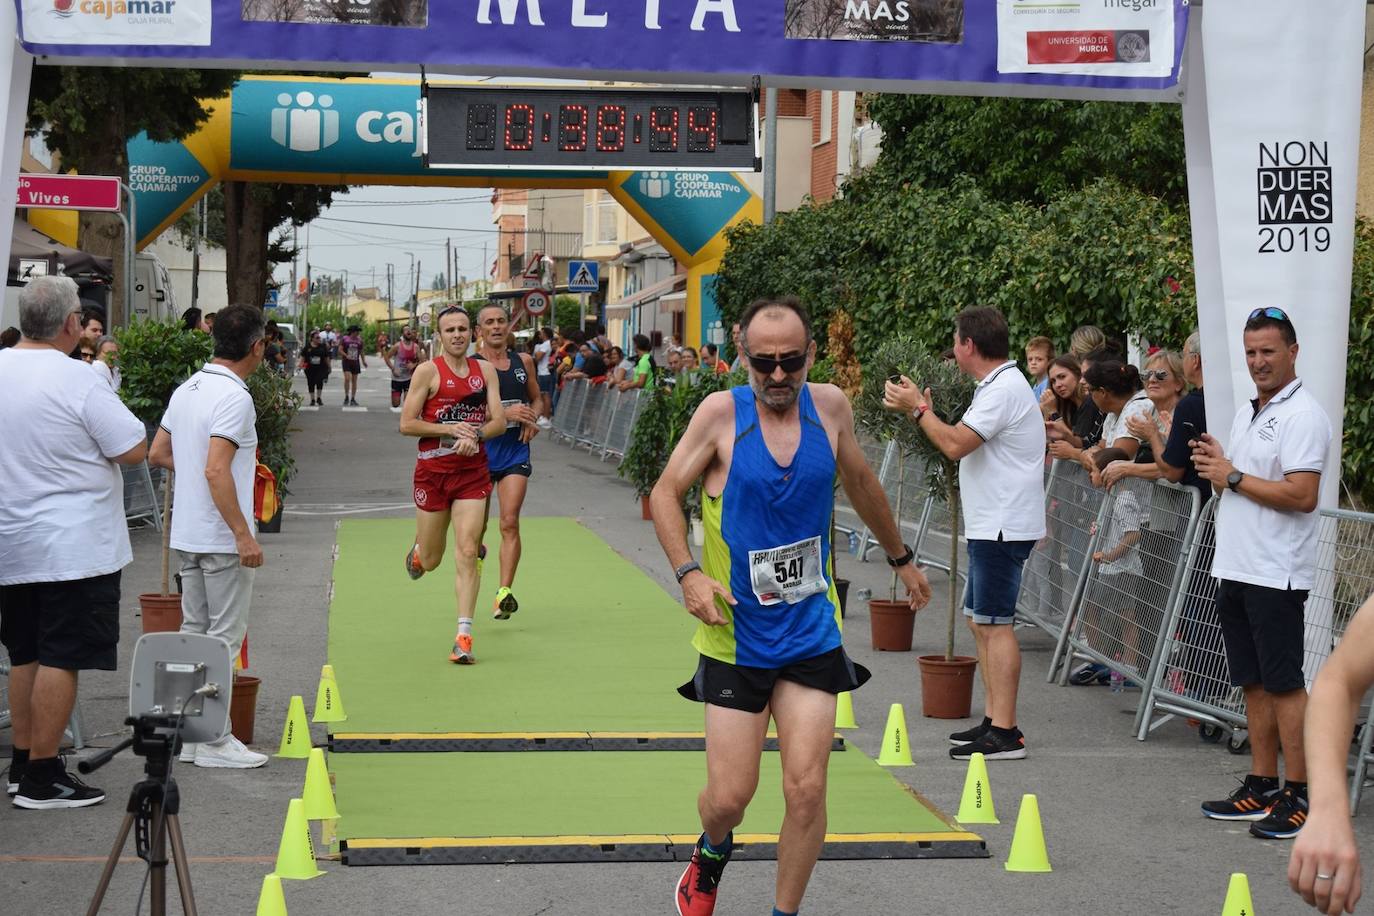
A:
(1002, 482)
(1275, 548)
(213, 403)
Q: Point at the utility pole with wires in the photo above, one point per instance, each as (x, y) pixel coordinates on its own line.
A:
(448, 270)
(416, 301)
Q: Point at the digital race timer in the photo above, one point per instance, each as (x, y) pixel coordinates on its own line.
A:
(517, 128)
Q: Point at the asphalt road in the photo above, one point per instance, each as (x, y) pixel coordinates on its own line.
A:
(1121, 817)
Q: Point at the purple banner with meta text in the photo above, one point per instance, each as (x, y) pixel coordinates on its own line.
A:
(1067, 48)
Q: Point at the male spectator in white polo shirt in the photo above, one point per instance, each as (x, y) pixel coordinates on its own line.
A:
(209, 438)
(1000, 446)
(1266, 562)
(63, 540)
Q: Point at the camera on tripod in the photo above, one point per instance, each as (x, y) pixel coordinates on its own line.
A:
(176, 694)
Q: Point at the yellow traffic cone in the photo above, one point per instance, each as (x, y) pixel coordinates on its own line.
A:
(1028, 851)
(844, 711)
(295, 737)
(328, 703)
(1238, 901)
(895, 751)
(271, 901)
(976, 806)
(318, 797)
(296, 854)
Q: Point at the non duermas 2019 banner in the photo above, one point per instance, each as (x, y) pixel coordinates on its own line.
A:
(1283, 102)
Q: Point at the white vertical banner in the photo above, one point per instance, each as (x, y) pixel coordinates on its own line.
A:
(1283, 101)
(1283, 83)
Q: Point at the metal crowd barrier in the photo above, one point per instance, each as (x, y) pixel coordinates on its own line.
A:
(140, 495)
(1192, 679)
(1143, 533)
(594, 405)
(623, 423)
(1053, 573)
(569, 412)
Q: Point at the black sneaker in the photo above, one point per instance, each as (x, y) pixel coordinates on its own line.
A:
(1285, 818)
(15, 774)
(696, 889)
(1248, 803)
(1090, 673)
(970, 734)
(993, 746)
(63, 791)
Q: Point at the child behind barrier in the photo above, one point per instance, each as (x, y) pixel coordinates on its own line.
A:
(1109, 613)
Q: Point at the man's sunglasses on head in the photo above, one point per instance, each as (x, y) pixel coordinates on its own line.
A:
(1275, 313)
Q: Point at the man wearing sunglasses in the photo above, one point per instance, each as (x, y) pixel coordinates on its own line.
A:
(769, 636)
(1266, 562)
(1000, 446)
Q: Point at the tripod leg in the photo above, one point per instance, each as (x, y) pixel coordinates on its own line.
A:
(183, 867)
(110, 864)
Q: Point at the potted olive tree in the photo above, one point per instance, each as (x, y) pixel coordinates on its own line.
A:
(947, 679)
(154, 358)
(276, 406)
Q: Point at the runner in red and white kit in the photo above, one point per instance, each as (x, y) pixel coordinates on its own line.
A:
(453, 406)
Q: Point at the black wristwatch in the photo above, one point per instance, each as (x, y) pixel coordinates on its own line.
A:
(682, 571)
(903, 559)
(1233, 480)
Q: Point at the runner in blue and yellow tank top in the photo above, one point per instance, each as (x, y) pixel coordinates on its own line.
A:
(769, 636)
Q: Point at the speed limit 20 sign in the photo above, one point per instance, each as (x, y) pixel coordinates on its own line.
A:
(536, 302)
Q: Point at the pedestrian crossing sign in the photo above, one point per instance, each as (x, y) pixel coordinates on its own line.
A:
(583, 276)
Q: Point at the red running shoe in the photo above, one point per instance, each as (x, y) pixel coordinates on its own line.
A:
(696, 889)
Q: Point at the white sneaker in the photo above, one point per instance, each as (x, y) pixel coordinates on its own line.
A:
(543, 423)
(228, 753)
(188, 753)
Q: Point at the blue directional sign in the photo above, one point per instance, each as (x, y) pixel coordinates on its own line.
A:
(584, 276)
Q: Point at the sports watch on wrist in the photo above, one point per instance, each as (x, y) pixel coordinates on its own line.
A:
(682, 571)
(1233, 480)
(903, 560)
(919, 412)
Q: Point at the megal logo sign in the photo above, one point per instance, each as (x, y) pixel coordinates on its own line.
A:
(306, 123)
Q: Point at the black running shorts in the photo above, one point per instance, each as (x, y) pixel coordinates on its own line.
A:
(750, 689)
(1263, 632)
(72, 625)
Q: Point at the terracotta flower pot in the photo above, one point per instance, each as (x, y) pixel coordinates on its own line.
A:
(243, 705)
(892, 624)
(161, 613)
(946, 686)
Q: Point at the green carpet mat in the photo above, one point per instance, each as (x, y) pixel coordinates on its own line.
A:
(596, 647)
(611, 806)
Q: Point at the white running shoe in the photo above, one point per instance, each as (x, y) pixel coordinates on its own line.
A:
(543, 423)
(188, 752)
(228, 753)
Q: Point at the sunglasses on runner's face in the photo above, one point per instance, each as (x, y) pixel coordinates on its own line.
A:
(1271, 312)
(766, 365)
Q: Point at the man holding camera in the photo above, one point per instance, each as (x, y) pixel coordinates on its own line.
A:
(209, 437)
(63, 540)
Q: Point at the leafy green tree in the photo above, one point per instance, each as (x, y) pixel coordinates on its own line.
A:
(89, 114)
(1027, 149)
(253, 212)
